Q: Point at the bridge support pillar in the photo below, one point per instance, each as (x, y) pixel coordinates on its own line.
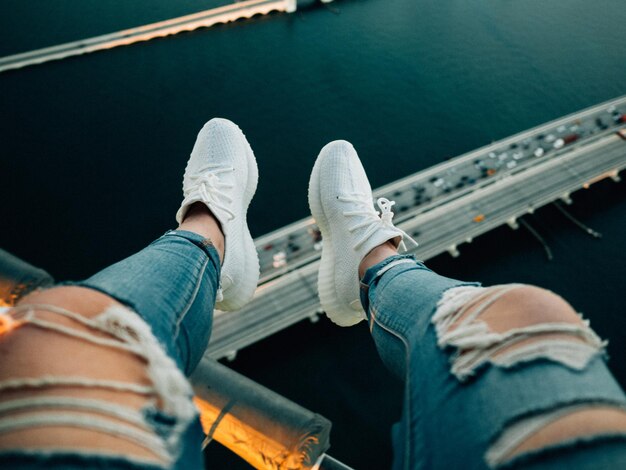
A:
(566, 199)
(512, 222)
(231, 355)
(454, 251)
(326, 1)
(616, 177)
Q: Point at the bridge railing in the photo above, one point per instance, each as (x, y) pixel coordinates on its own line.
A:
(203, 19)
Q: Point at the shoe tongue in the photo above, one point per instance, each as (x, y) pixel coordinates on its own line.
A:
(379, 237)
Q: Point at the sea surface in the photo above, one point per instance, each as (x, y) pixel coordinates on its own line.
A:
(92, 148)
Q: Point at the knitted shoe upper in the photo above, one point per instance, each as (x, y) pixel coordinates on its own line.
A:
(222, 173)
(340, 198)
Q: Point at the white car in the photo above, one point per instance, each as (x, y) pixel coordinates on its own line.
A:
(550, 138)
(279, 259)
(538, 152)
(558, 143)
(518, 155)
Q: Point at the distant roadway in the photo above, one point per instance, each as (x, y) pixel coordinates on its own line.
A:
(441, 207)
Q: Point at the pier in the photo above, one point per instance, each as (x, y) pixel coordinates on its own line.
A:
(442, 207)
(203, 19)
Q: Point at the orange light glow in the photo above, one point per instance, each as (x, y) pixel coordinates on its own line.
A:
(491, 172)
(608, 174)
(479, 218)
(8, 324)
(7, 287)
(259, 450)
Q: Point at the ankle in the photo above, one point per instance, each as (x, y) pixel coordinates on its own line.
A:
(378, 254)
(199, 219)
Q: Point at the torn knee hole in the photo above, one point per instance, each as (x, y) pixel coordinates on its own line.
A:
(60, 422)
(80, 412)
(523, 305)
(510, 306)
(116, 328)
(562, 426)
(522, 344)
(460, 323)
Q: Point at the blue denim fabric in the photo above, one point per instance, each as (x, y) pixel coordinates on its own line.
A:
(172, 285)
(448, 424)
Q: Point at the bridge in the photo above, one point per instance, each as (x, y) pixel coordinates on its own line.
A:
(203, 19)
(441, 207)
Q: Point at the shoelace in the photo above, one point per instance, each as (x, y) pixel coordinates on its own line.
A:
(207, 183)
(374, 220)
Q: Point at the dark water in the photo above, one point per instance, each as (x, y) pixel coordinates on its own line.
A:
(92, 148)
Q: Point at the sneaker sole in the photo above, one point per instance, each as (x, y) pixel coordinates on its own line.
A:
(338, 312)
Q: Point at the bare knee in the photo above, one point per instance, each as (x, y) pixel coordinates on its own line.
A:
(87, 301)
(509, 324)
(564, 425)
(528, 305)
(514, 306)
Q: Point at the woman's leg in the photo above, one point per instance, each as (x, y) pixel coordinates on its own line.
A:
(496, 377)
(172, 285)
(102, 386)
(492, 374)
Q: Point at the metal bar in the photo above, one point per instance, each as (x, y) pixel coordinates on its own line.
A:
(260, 426)
(18, 278)
(329, 463)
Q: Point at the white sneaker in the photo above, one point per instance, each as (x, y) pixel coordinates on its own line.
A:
(222, 173)
(340, 198)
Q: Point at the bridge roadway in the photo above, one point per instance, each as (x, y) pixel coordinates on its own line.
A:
(206, 18)
(441, 216)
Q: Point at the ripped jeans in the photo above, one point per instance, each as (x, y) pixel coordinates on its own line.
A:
(167, 292)
(471, 394)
